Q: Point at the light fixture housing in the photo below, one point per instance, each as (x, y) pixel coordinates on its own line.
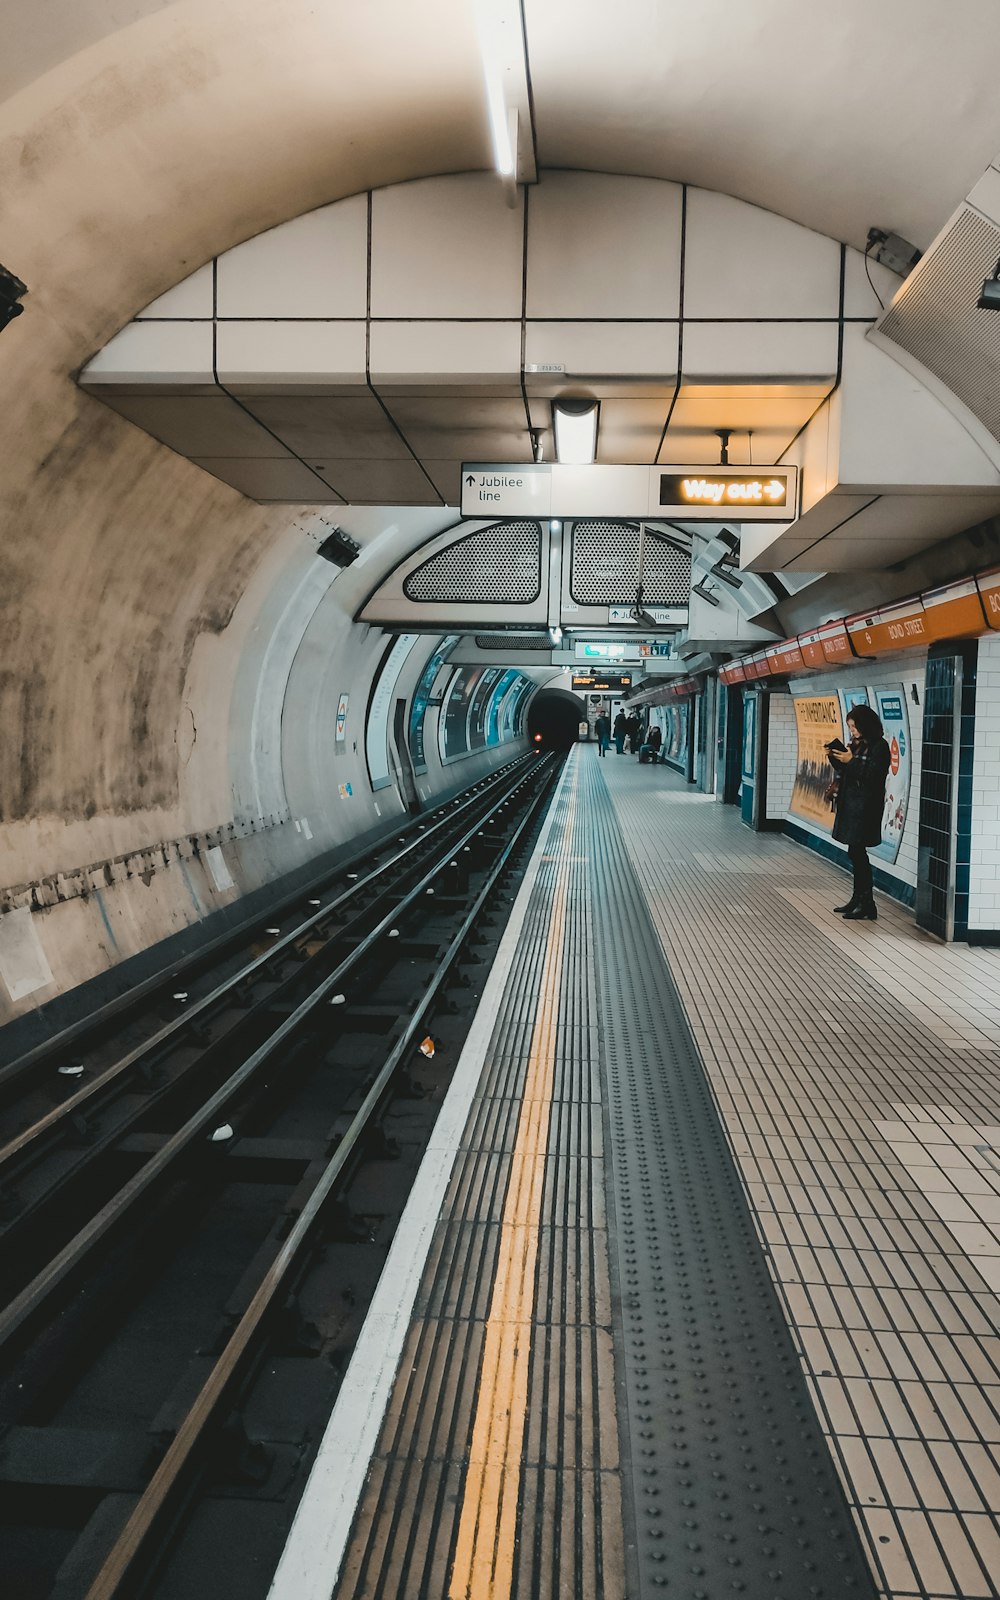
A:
(339, 548)
(575, 424)
(892, 251)
(501, 43)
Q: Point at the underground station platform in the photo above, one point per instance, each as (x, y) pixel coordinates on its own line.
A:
(676, 1305)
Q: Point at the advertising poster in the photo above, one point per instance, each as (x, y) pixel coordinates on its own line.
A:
(817, 720)
(891, 707)
(421, 700)
(675, 734)
(852, 697)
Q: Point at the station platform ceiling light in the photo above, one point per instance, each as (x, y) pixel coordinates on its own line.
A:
(989, 299)
(575, 423)
(501, 45)
(12, 291)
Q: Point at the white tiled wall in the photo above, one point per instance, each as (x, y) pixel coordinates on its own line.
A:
(906, 669)
(984, 876)
(781, 748)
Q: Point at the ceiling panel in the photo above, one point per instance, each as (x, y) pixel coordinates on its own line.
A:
(270, 479)
(739, 409)
(701, 446)
(891, 529)
(630, 430)
(379, 482)
(199, 425)
(447, 478)
(353, 428)
(463, 429)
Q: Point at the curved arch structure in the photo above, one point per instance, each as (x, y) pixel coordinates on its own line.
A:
(175, 653)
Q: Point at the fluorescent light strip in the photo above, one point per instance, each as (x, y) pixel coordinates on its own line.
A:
(499, 29)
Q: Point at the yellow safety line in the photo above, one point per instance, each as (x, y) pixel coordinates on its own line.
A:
(484, 1556)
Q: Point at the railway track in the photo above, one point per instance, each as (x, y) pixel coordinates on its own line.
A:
(211, 1207)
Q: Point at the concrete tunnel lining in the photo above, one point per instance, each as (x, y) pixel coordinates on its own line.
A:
(138, 595)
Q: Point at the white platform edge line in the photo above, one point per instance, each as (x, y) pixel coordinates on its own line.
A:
(317, 1542)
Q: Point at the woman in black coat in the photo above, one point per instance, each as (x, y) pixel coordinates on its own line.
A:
(861, 774)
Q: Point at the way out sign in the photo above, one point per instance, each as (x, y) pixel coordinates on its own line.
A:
(698, 493)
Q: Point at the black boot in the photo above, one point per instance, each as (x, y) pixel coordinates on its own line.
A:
(867, 911)
(845, 910)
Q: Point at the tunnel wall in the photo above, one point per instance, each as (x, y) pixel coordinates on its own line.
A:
(264, 793)
(151, 619)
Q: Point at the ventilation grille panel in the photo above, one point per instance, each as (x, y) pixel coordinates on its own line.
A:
(499, 565)
(937, 321)
(666, 573)
(608, 558)
(605, 566)
(518, 642)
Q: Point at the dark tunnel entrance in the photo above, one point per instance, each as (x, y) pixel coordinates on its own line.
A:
(555, 715)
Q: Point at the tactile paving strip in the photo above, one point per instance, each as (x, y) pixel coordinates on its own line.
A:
(733, 1488)
(408, 1532)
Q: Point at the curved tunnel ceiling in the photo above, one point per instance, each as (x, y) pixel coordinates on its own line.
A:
(156, 624)
(838, 117)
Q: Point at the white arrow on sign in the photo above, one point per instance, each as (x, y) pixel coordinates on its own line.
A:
(775, 489)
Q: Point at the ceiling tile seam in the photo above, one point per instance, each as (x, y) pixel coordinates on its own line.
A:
(831, 531)
(529, 88)
(368, 366)
(236, 400)
(680, 322)
(524, 285)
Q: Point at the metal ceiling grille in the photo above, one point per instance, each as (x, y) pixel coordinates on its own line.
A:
(518, 642)
(605, 564)
(937, 321)
(666, 572)
(610, 557)
(500, 565)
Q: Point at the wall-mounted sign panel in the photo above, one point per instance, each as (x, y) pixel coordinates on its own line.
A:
(788, 657)
(895, 628)
(662, 616)
(954, 612)
(715, 494)
(835, 644)
(622, 651)
(731, 491)
(812, 650)
(604, 682)
(989, 589)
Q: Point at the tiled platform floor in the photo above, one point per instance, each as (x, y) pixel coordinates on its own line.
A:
(857, 1070)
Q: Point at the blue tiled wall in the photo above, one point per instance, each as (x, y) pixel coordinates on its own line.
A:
(940, 807)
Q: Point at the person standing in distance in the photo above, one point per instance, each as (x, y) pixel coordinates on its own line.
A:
(621, 729)
(861, 774)
(602, 731)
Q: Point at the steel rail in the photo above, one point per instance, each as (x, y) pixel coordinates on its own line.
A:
(72, 1256)
(17, 1149)
(71, 1036)
(167, 1483)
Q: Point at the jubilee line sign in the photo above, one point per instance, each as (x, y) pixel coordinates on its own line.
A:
(696, 494)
